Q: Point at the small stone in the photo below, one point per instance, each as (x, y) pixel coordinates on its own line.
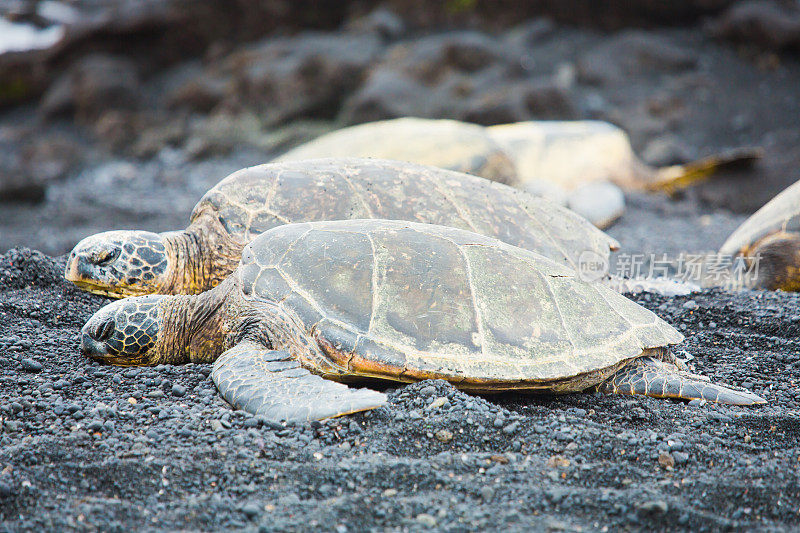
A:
(388, 493)
(511, 428)
(216, 425)
(438, 402)
(558, 461)
(158, 393)
(251, 510)
(31, 365)
(653, 507)
(426, 520)
(690, 304)
(443, 435)
(680, 457)
(666, 460)
(178, 390)
(427, 391)
(487, 493)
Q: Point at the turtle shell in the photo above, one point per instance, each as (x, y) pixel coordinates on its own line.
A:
(441, 143)
(782, 213)
(412, 301)
(568, 153)
(253, 200)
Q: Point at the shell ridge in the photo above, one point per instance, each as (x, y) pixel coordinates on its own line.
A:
(478, 314)
(544, 230)
(458, 207)
(558, 309)
(374, 282)
(358, 194)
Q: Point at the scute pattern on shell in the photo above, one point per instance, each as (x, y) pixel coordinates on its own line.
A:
(782, 213)
(253, 200)
(393, 297)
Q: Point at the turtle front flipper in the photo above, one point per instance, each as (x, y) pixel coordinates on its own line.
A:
(652, 377)
(274, 385)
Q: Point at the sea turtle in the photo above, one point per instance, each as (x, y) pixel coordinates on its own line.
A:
(572, 154)
(253, 200)
(772, 237)
(399, 301)
(442, 143)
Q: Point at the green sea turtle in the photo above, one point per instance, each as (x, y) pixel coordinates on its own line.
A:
(440, 143)
(772, 235)
(401, 301)
(572, 154)
(253, 200)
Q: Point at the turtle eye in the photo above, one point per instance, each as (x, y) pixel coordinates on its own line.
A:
(104, 256)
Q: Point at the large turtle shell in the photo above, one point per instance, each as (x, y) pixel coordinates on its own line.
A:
(441, 143)
(255, 199)
(412, 301)
(568, 153)
(782, 213)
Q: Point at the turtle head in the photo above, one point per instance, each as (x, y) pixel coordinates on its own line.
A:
(120, 263)
(127, 333)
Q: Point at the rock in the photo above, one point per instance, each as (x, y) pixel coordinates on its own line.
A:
(381, 22)
(443, 435)
(386, 94)
(767, 24)
(251, 510)
(558, 461)
(30, 162)
(487, 493)
(632, 53)
(388, 493)
(438, 402)
(284, 78)
(426, 520)
(180, 390)
(666, 460)
(92, 85)
(31, 365)
(691, 305)
(533, 99)
(653, 507)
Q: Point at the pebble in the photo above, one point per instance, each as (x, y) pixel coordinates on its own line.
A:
(487, 493)
(178, 390)
(31, 365)
(511, 428)
(666, 460)
(691, 305)
(441, 401)
(443, 435)
(426, 520)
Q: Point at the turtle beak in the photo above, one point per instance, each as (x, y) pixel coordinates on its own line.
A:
(93, 337)
(83, 262)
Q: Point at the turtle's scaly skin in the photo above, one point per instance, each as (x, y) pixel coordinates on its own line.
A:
(399, 301)
(440, 143)
(254, 200)
(773, 233)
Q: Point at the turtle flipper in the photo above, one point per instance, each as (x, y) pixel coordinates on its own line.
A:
(272, 384)
(659, 379)
(673, 178)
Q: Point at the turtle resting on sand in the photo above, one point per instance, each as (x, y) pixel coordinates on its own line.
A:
(315, 304)
(253, 200)
(773, 233)
(572, 154)
(442, 143)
